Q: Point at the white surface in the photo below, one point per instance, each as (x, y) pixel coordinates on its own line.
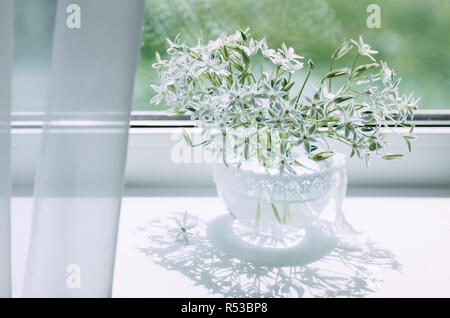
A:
(416, 231)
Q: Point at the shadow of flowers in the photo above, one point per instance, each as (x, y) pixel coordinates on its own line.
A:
(320, 266)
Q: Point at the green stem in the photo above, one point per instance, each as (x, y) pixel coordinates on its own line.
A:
(246, 148)
(253, 64)
(350, 76)
(258, 215)
(275, 212)
(354, 62)
(329, 80)
(277, 72)
(262, 62)
(258, 148)
(301, 89)
(287, 216)
(269, 142)
(224, 152)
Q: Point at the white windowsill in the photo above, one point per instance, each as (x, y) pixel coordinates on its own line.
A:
(416, 230)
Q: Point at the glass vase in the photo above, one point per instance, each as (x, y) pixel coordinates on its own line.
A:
(273, 210)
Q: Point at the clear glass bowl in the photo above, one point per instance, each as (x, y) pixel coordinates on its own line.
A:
(272, 210)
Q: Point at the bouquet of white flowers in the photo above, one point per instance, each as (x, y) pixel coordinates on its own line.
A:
(244, 96)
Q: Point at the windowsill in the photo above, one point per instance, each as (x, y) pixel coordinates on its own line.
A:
(412, 223)
(210, 191)
(417, 240)
(369, 192)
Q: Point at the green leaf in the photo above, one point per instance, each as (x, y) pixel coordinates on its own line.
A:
(177, 112)
(187, 138)
(408, 139)
(295, 134)
(225, 52)
(290, 169)
(307, 146)
(392, 157)
(322, 155)
(374, 146)
(310, 65)
(245, 58)
(312, 129)
(343, 48)
(408, 143)
(364, 68)
(337, 72)
(239, 67)
(298, 163)
(343, 98)
(367, 128)
(244, 37)
(288, 87)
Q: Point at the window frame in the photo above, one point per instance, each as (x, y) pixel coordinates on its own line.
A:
(153, 135)
(159, 119)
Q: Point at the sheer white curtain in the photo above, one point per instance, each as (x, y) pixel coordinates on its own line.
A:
(79, 180)
(6, 48)
(34, 23)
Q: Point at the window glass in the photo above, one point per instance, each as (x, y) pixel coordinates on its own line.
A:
(412, 38)
(33, 28)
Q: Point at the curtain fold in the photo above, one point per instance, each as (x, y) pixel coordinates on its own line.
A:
(6, 58)
(79, 180)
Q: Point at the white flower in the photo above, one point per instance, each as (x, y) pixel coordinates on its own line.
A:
(160, 94)
(292, 67)
(254, 95)
(252, 48)
(237, 36)
(237, 94)
(386, 73)
(161, 91)
(276, 57)
(290, 63)
(408, 101)
(326, 94)
(182, 232)
(285, 57)
(215, 45)
(274, 92)
(227, 96)
(364, 48)
(159, 63)
(265, 50)
(210, 64)
(173, 46)
(289, 53)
